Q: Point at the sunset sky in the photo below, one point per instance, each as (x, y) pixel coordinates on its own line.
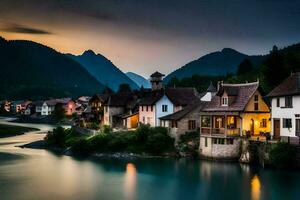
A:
(144, 36)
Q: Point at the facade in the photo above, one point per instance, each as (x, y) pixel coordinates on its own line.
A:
(118, 108)
(160, 103)
(236, 110)
(183, 121)
(96, 104)
(285, 106)
(156, 81)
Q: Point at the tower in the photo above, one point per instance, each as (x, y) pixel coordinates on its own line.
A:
(156, 80)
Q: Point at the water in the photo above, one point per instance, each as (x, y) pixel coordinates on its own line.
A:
(38, 174)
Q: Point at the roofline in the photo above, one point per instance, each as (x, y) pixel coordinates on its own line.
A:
(240, 84)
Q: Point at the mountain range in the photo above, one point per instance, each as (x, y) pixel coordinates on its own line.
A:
(216, 63)
(139, 80)
(32, 70)
(103, 70)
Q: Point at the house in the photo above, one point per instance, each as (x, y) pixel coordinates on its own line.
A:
(48, 107)
(29, 110)
(119, 109)
(68, 104)
(96, 104)
(183, 121)
(160, 103)
(236, 110)
(5, 105)
(210, 93)
(285, 107)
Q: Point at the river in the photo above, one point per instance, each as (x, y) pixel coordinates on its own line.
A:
(31, 174)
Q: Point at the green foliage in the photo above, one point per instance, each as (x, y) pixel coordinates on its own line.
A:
(245, 67)
(95, 125)
(124, 88)
(61, 137)
(81, 146)
(283, 155)
(59, 112)
(107, 129)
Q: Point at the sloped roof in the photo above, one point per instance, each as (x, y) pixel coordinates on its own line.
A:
(178, 96)
(211, 88)
(290, 86)
(242, 93)
(102, 97)
(119, 99)
(181, 113)
(157, 74)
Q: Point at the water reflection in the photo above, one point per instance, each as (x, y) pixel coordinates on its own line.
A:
(255, 188)
(130, 181)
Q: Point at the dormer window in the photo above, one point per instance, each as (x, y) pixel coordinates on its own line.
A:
(224, 101)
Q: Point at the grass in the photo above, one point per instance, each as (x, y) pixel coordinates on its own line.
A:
(8, 130)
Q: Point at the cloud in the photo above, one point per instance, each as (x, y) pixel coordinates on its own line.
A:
(18, 28)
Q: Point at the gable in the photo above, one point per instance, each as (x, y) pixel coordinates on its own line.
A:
(262, 105)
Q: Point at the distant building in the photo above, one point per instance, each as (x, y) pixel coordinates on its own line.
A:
(285, 106)
(156, 80)
(210, 93)
(236, 110)
(120, 111)
(159, 103)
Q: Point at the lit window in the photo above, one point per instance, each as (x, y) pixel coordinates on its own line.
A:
(256, 102)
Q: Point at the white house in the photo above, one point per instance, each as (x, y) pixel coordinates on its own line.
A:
(164, 102)
(285, 108)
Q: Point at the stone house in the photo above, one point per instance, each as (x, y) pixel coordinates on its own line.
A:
(183, 121)
(118, 108)
(236, 110)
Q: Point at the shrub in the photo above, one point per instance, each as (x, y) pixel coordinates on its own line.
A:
(107, 129)
(283, 155)
(158, 141)
(81, 146)
(99, 142)
(56, 138)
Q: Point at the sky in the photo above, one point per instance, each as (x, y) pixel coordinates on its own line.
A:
(143, 36)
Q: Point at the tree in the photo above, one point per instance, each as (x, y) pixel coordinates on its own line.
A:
(59, 112)
(244, 67)
(124, 88)
(274, 69)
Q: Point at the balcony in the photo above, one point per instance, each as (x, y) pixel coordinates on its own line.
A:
(220, 131)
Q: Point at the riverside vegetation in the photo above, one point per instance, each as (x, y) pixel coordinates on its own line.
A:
(8, 130)
(144, 140)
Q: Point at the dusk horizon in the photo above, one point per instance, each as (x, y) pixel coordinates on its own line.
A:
(164, 35)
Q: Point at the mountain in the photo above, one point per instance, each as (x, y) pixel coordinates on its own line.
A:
(216, 63)
(32, 70)
(103, 70)
(139, 80)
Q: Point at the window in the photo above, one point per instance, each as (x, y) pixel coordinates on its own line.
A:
(174, 124)
(142, 108)
(205, 121)
(278, 102)
(148, 120)
(256, 102)
(289, 102)
(205, 142)
(256, 106)
(165, 108)
(298, 127)
(215, 140)
(144, 120)
(263, 123)
(192, 124)
(147, 108)
(151, 108)
(287, 123)
(224, 101)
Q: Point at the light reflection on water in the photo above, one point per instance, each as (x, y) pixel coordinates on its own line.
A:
(255, 188)
(130, 181)
(39, 174)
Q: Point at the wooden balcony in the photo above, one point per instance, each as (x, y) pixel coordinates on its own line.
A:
(220, 131)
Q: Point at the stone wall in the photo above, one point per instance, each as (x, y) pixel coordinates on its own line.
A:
(220, 151)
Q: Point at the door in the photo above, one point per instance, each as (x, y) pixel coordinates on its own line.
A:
(252, 127)
(276, 129)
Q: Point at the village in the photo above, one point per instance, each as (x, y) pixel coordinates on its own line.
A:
(223, 116)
